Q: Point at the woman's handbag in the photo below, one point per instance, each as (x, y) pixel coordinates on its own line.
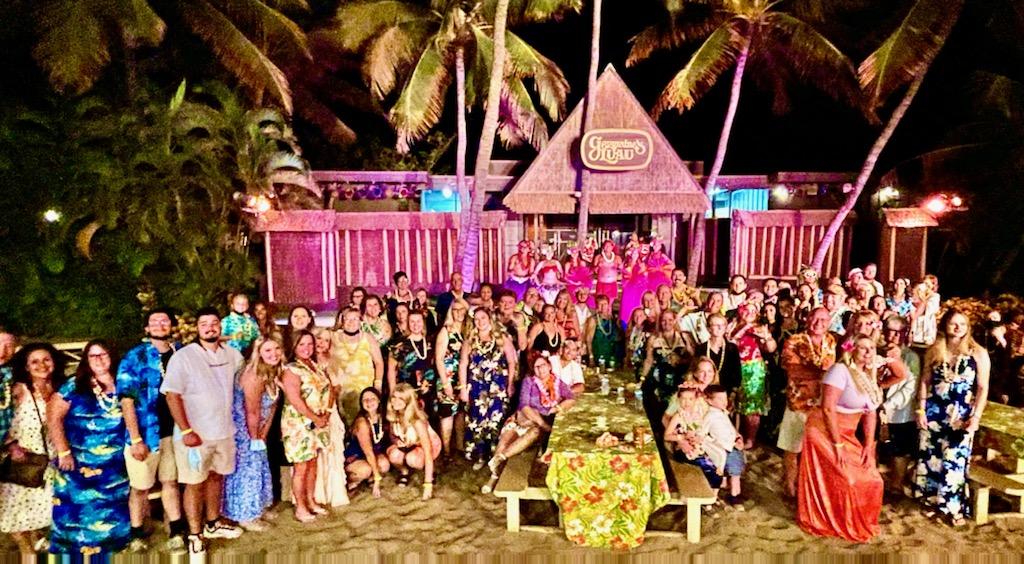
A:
(30, 471)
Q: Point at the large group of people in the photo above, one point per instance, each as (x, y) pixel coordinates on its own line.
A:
(404, 383)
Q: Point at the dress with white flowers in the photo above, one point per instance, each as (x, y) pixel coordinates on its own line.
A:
(940, 479)
(488, 380)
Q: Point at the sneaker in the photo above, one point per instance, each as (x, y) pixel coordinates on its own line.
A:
(221, 530)
(196, 544)
(138, 545)
(175, 544)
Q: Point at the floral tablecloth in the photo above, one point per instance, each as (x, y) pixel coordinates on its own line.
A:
(606, 495)
(1002, 429)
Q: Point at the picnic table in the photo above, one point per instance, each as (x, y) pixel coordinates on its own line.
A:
(606, 494)
(1001, 432)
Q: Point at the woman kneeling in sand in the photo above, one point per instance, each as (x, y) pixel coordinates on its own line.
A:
(365, 456)
(543, 395)
(413, 443)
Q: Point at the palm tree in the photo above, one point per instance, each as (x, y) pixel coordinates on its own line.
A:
(904, 57)
(739, 32)
(595, 56)
(469, 242)
(76, 38)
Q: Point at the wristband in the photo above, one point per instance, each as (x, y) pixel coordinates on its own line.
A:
(838, 445)
(136, 441)
(63, 453)
(377, 479)
(186, 431)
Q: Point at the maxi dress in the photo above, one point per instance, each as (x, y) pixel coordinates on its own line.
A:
(448, 407)
(580, 276)
(656, 275)
(302, 440)
(940, 478)
(249, 491)
(488, 381)
(752, 396)
(90, 503)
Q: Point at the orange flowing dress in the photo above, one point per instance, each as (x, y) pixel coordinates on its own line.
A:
(836, 500)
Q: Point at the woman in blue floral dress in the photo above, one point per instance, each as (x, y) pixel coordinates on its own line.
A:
(249, 491)
(448, 351)
(90, 493)
(485, 376)
(953, 391)
(411, 361)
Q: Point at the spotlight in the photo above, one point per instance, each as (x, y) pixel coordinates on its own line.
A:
(781, 193)
(937, 204)
(51, 216)
(446, 192)
(956, 201)
(888, 194)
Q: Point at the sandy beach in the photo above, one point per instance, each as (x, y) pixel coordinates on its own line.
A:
(460, 521)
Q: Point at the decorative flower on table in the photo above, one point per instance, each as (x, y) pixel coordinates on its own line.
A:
(595, 495)
(618, 465)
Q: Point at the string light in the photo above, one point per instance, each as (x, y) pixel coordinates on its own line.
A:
(51, 216)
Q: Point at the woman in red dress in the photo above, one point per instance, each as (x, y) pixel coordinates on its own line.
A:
(839, 492)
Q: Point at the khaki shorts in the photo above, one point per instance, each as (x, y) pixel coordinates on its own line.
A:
(142, 475)
(215, 456)
(791, 431)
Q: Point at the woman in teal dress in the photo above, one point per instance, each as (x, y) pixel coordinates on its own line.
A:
(753, 341)
(90, 493)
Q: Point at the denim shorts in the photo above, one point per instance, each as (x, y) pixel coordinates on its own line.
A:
(735, 462)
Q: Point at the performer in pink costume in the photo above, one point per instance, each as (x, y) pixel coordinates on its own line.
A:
(521, 267)
(549, 277)
(634, 281)
(578, 274)
(608, 265)
(659, 266)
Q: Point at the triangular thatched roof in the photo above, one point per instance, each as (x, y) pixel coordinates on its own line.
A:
(664, 186)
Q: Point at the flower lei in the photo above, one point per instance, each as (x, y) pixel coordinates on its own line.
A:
(866, 383)
(549, 396)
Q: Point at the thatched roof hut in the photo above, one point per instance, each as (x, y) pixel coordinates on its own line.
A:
(625, 180)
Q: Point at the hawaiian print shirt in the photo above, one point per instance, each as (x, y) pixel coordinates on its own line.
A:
(6, 403)
(139, 377)
(241, 329)
(805, 365)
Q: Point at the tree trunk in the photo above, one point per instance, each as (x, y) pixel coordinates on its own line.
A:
(697, 245)
(865, 171)
(588, 117)
(460, 149)
(483, 155)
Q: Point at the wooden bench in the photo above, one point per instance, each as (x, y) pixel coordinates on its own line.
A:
(514, 486)
(691, 489)
(1011, 485)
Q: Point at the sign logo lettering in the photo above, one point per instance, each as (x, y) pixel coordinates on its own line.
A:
(616, 149)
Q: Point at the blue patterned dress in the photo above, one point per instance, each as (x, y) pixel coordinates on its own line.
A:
(448, 407)
(6, 402)
(249, 491)
(940, 479)
(487, 378)
(90, 503)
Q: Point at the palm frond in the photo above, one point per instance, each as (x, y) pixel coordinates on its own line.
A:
(717, 54)
(355, 23)
(73, 46)
(479, 61)
(551, 85)
(909, 48)
(812, 58)
(532, 11)
(518, 119)
(139, 24)
(239, 56)
(274, 31)
(311, 109)
(290, 6)
(673, 32)
(387, 53)
(421, 102)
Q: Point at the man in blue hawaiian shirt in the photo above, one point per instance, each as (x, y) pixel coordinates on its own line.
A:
(148, 453)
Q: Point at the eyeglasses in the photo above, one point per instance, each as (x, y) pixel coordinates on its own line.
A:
(99, 355)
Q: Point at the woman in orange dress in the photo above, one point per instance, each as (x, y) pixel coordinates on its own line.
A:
(839, 493)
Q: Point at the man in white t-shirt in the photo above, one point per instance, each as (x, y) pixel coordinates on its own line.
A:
(566, 366)
(199, 387)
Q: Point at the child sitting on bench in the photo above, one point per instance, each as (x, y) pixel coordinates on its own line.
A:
(722, 444)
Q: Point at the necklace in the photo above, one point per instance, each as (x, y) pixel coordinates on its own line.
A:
(416, 350)
(553, 343)
(5, 391)
(377, 430)
(721, 359)
(487, 347)
(601, 326)
(107, 402)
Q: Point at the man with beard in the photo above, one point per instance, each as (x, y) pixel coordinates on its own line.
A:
(199, 389)
(806, 357)
(148, 453)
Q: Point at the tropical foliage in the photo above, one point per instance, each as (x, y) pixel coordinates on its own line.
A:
(145, 197)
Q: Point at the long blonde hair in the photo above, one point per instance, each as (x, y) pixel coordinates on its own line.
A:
(412, 412)
(449, 319)
(939, 351)
(265, 373)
